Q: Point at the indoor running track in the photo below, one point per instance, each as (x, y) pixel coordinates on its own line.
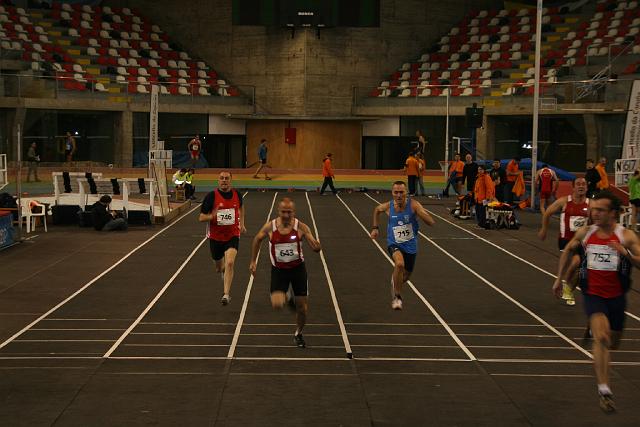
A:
(128, 330)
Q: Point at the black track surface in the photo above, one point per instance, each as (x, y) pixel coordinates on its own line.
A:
(480, 340)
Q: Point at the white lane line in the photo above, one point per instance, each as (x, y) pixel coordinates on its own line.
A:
(394, 324)
(174, 345)
(503, 293)
(188, 323)
(563, 361)
(287, 374)
(92, 281)
(426, 374)
(77, 329)
(543, 375)
(289, 324)
(247, 294)
(55, 319)
(183, 333)
(412, 359)
(48, 357)
(62, 340)
(415, 290)
(633, 316)
(284, 346)
(334, 299)
(154, 300)
(167, 358)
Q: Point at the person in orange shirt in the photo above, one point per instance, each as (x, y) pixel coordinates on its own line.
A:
(484, 192)
(513, 170)
(327, 173)
(603, 184)
(456, 167)
(412, 168)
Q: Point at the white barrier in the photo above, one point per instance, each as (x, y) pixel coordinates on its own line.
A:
(4, 176)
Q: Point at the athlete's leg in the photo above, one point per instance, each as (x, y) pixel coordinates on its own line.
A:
(301, 312)
(601, 343)
(260, 166)
(634, 217)
(278, 298)
(397, 278)
(229, 262)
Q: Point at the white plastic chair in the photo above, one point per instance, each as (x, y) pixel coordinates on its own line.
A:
(30, 216)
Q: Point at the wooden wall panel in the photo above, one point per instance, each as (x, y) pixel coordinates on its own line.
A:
(314, 138)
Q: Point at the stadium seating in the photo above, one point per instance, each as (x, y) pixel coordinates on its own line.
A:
(491, 52)
(103, 49)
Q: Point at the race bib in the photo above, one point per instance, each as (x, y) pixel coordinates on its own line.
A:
(226, 216)
(576, 222)
(194, 147)
(403, 233)
(602, 258)
(286, 252)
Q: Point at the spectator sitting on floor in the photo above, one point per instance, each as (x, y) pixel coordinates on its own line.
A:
(105, 219)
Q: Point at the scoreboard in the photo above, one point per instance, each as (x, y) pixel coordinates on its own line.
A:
(307, 13)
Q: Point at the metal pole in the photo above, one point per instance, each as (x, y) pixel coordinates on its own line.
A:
(19, 181)
(446, 145)
(536, 105)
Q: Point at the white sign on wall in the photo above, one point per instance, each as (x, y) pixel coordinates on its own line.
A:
(624, 169)
(631, 148)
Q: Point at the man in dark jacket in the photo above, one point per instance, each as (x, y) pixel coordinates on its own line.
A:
(105, 219)
(469, 172)
(499, 177)
(593, 177)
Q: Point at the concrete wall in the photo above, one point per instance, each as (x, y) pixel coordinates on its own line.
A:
(304, 75)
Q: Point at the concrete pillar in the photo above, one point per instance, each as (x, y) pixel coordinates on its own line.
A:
(592, 148)
(485, 139)
(123, 139)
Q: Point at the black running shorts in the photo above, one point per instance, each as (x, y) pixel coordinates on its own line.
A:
(613, 308)
(281, 278)
(409, 259)
(219, 248)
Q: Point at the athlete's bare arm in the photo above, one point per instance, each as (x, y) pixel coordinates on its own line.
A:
(207, 217)
(383, 207)
(566, 260)
(421, 212)
(255, 245)
(308, 236)
(556, 206)
(243, 229)
(631, 248)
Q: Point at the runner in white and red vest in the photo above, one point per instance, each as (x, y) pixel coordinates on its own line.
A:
(285, 234)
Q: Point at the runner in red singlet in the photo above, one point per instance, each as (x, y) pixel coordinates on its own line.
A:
(607, 253)
(285, 235)
(547, 182)
(574, 214)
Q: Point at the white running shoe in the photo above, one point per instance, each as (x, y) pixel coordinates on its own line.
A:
(396, 303)
(226, 299)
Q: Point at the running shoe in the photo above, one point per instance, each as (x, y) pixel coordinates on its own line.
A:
(299, 340)
(606, 403)
(226, 299)
(567, 294)
(396, 303)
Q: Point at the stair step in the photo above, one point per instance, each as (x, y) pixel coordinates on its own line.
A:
(63, 42)
(496, 93)
(571, 20)
(103, 80)
(94, 71)
(553, 38)
(75, 52)
(516, 76)
(45, 24)
(83, 61)
(36, 15)
(117, 98)
(525, 66)
(506, 85)
(563, 29)
(54, 33)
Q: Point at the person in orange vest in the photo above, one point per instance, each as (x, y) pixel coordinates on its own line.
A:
(327, 173)
(547, 182)
(412, 169)
(513, 170)
(455, 175)
(484, 191)
(603, 184)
